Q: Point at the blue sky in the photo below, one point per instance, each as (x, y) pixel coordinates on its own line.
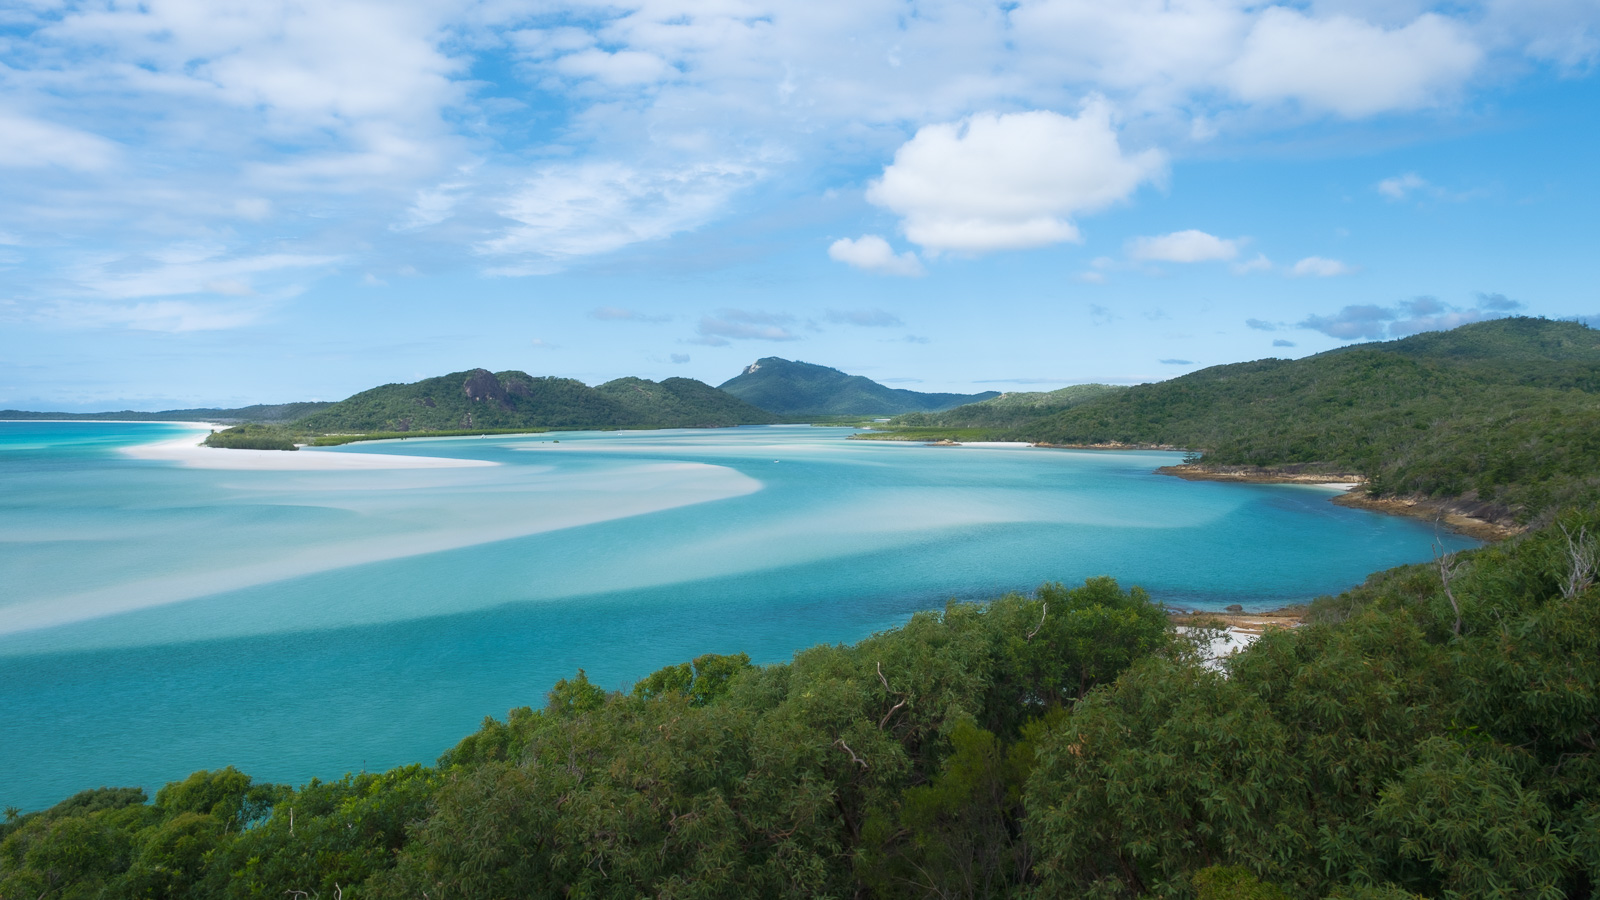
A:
(222, 203)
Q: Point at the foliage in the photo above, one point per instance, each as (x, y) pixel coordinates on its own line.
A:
(252, 437)
(1007, 410)
(479, 401)
(805, 391)
(1063, 744)
(1500, 414)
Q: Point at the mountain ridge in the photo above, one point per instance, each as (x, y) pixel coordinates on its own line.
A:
(480, 399)
(792, 388)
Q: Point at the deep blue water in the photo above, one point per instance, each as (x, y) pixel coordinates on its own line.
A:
(157, 618)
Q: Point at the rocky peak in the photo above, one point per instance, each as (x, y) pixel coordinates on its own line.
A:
(482, 385)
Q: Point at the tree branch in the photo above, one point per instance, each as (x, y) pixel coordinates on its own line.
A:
(854, 758)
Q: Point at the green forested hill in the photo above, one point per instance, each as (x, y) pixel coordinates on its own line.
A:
(1009, 409)
(682, 402)
(479, 399)
(1505, 412)
(1434, 733)
(797, 389)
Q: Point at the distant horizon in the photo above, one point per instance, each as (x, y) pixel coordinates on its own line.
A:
(1036, 385)
(206, 206)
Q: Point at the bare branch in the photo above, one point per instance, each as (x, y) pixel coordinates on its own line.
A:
(892, 710)
(853, 757)
(1044, 610)
(1581, 556)
(885, 681)
(1448, 565)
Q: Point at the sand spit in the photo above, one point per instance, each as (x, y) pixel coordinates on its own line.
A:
(190, 452)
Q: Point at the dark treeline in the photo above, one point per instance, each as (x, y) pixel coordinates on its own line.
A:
(1431, 733)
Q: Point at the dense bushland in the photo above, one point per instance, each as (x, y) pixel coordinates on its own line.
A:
(1505, 413)
(1431, 733)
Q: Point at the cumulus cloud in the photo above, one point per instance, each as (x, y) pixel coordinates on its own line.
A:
(1280, 342)
(873, 253)
(868, 318)
(1007, 181)
(744, 325)
(1176, 362)
(1350, 66)
(1371, 322)
(1319, 267)
(1188, 246)
(679, 358)
(1261, 325)
(620, 314)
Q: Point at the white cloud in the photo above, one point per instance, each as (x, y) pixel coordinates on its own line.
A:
(873, 253)
(1183, 247)
(1318, 267)
(744, 325)
(1399, 186)
(1259, 263)
(1350, 66)
(571, 211)
(169, 316)
(187, 269)
(32, 143)
(866, 318)
(1004, 181)
(621, 67)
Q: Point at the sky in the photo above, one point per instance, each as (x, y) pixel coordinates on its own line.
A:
(218, 203)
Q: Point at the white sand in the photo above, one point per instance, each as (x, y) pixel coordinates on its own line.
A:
(531, 500)
(190, 452)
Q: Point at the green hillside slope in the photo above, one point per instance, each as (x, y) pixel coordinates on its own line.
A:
(1506, 412)
(480, 399)
(1010, 409)
(682, 402)
(797, 389)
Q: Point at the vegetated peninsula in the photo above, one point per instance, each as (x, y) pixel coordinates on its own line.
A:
(803, 390)
(1498, 419)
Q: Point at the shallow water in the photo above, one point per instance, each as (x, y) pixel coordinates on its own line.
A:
(156, 619)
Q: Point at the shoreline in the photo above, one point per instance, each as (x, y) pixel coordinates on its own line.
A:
(1481, 521)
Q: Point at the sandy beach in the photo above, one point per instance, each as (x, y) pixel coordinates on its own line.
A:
(189, 451)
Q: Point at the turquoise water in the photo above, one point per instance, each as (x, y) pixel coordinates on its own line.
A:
(157, 618)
